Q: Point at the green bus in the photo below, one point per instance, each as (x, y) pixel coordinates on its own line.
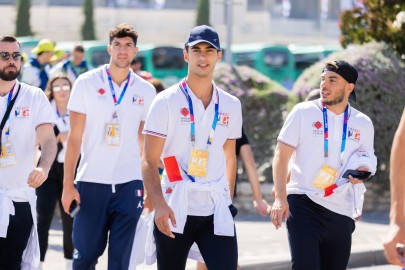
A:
(163, 62)
(281, 63)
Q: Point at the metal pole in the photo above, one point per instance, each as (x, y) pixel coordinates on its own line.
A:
(228, 52)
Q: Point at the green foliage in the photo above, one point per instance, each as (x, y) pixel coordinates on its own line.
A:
(380, 90)
(88, 25)
(23, 27)
(380, 21)
(263, 105)
(203, 12)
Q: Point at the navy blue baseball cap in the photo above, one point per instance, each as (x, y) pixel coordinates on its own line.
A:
(203, 33)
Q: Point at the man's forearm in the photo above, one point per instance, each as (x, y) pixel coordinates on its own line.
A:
(151, 179)
(71, 158)
(231, 174)
(48, 153)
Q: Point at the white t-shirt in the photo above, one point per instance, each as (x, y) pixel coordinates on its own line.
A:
(63, 125)
(31, 75)
(303, 130)
(30, 110)
(169, 118)
(91, 95)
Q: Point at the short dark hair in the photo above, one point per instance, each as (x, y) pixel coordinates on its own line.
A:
(123, 30)
(9, 39)
(78, 48)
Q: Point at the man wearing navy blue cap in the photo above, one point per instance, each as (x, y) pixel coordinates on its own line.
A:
(193, 126)
(320, 204)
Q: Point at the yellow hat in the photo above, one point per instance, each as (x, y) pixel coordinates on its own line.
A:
(58, 55)
(44, 45)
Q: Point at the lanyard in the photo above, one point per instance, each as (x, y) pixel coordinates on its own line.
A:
(184, 88)
(61, 116)
(10, 95)
(116, 103)
(326, 133)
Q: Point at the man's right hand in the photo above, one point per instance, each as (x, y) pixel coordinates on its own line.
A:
(395, 236)
(279, 211)
(162, 215)
(69, 194)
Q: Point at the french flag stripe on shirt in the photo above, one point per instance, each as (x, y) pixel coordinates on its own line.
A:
(138, 192)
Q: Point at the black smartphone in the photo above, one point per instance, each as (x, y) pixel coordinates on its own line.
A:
(361, 175)
(74, 208)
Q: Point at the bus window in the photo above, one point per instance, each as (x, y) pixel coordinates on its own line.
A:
(168, 58)
(303, 61)
(246, 59)
(276, 58)
(98, 57)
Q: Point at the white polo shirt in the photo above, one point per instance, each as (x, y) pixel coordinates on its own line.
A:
(303, 130)
(169, 118)
(91, 95)
(30, 110)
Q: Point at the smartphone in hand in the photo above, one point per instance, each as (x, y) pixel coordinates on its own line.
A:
(361, 175)
(74, 208)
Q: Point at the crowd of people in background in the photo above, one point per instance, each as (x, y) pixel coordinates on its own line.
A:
(113, 143)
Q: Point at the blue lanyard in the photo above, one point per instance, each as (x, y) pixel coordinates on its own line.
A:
(184, 88)
(116, 103)
(10, 96)
(326, 133)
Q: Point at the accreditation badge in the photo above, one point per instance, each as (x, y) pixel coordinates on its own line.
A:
(198, 163)
(7, 157)
(325, 177)
(113, 134)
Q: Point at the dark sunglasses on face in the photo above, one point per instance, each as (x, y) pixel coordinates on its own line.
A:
(6, 55)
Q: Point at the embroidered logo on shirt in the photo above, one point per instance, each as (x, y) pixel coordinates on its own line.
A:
(101, 93)
(353, 134)
(184, 115)
(318, 130)
(22, 112)
(223, 119)
(138, 100)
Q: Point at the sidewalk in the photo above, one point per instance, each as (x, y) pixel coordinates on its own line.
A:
(260, 245)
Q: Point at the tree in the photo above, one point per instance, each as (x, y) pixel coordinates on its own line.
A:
(88, 25)
(380, 20)
(23, 27)
(203, 12)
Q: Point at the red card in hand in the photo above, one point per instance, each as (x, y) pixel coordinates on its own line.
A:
(172, 169)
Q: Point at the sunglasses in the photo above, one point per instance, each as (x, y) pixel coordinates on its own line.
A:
(61, 88)
(6, 55)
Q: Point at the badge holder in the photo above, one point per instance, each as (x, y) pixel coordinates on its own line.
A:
(112, 131)
(198, 163)
(325, 177)
(7, 157)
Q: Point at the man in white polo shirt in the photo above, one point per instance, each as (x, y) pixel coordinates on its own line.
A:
(108, 107)
(325, 137)
(26, 116)
(192, 126)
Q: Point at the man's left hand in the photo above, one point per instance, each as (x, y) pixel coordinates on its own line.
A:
(355, 181)
(37, 177)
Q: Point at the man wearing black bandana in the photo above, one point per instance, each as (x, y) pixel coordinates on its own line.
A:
(320, 205)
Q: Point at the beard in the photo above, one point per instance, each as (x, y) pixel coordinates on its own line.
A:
(338, 99)
(9, 75)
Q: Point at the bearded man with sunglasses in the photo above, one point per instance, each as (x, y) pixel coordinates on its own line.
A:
(26, 117)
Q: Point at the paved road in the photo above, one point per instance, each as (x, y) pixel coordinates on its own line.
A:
(261, 246)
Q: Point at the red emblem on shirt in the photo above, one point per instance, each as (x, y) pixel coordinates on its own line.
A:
(101, 91)
(184, 111)
(317, 125)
